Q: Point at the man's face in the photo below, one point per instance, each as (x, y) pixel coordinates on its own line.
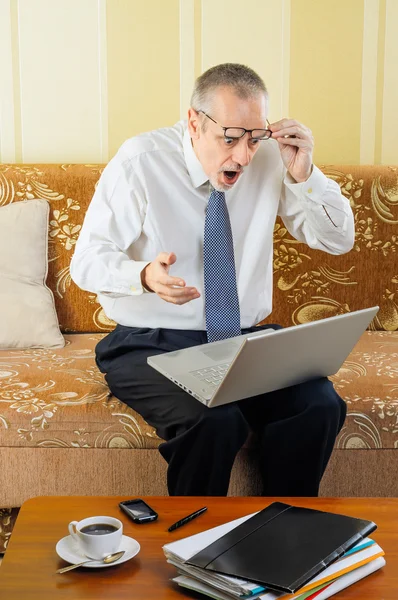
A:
(224, 160)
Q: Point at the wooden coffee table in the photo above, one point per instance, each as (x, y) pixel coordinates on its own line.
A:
(29, 565)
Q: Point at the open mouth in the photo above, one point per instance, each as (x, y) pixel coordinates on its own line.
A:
(231, 177)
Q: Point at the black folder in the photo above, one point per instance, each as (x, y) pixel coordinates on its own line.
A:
(283, 547)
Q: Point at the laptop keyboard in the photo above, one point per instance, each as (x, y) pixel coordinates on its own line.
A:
(212, 375)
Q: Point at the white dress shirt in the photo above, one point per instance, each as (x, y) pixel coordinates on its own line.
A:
(152, 198)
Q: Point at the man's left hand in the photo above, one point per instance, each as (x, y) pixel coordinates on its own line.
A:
(296, 145)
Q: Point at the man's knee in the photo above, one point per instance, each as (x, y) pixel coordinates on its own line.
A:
(324, 400)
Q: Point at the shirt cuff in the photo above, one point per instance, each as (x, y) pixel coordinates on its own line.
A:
(313, 189)
(129, 277)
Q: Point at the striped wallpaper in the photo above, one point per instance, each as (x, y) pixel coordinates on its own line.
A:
(78, 77)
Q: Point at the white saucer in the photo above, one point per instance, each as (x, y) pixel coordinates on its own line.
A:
(68, 549)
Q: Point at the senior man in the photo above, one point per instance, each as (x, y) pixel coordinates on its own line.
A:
(177, 243)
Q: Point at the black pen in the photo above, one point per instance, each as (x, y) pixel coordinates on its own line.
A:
(186, 519)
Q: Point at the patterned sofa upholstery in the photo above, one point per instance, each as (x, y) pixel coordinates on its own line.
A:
(62, 433)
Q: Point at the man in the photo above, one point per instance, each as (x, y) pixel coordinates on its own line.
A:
(177, 243)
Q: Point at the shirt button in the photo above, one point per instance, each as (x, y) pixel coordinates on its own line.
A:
(309, 190)
(133, 289)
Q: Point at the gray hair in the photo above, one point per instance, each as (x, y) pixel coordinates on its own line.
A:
(241, 79)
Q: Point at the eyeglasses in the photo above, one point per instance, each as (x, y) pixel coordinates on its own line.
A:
(235, 133)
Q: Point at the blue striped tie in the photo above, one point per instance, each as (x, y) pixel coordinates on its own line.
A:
(221, 293)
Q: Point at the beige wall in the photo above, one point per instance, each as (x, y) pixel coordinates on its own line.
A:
(78, 77)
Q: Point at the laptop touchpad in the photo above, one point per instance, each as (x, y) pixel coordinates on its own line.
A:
(224, 351)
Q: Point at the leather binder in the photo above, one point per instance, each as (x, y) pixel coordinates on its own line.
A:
(283, 547)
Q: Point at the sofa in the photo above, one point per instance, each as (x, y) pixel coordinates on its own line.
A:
(63, 433)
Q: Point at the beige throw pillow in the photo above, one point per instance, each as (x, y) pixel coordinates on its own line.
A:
(27, 312)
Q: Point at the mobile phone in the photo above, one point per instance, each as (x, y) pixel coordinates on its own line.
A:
(138, 511)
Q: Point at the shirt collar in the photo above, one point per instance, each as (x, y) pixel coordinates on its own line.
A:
(195, 170)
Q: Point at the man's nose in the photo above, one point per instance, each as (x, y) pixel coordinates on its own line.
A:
(242, 153)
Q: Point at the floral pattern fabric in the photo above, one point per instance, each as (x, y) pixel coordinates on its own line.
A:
(8, 517)
(57, 398)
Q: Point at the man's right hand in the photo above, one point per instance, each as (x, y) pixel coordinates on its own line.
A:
(155, 278)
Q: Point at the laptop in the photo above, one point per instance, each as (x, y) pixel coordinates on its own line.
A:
(257, 363)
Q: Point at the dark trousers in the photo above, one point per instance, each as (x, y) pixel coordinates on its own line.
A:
(296, 426)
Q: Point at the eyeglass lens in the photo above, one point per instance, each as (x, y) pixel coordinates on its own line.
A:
(237, 132)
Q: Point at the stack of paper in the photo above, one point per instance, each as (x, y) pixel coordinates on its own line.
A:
(361, 560)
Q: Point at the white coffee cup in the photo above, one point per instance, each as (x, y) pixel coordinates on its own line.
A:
(97, 536)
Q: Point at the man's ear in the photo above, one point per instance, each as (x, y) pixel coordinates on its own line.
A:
(193, 124)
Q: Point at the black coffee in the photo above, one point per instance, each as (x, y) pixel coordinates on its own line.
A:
(99, 529)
